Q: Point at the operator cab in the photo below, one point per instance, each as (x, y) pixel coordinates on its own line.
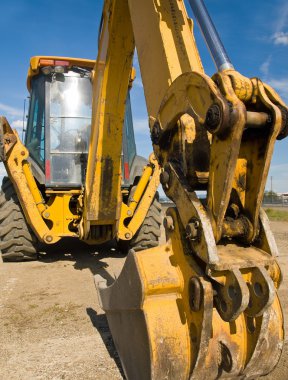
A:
(59, 122)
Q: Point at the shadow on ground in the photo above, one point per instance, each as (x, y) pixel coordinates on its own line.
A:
(101, 324)
(84, 256)
(92, 258)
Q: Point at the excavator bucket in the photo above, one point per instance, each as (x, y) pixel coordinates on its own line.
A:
(164, 319)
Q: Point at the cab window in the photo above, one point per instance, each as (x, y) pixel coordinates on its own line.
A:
(35, 133)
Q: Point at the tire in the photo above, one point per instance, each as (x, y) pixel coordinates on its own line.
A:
(149, 233)
(17, 240)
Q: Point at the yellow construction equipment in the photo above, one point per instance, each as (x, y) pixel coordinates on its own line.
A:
(45, 196)
(205, 304)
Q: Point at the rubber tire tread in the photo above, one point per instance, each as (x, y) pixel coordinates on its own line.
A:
(149, 233)
(17, 240)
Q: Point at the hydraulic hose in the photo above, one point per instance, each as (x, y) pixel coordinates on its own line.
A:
(211, 36)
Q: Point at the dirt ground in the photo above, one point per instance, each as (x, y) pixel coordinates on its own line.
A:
(51, 325)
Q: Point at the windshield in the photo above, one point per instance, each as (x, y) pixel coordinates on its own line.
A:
(34, 138)
(70, 111)
(59, 126)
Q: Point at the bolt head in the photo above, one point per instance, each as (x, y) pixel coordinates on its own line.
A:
(192, 230)
(195, 294)
(168, 223)
(49, 238)
(156, 133)
(164, 179)
(127, 235)
(213, 118)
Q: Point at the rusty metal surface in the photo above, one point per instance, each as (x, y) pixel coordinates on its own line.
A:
(205, 304)
(7, 138)
(189, 207)
(16, 165)
(134, 213)
(154, 288)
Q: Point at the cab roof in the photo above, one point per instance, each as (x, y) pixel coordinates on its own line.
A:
(39, 61)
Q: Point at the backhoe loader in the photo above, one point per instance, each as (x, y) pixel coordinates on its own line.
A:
(42, 198)
(205, 304)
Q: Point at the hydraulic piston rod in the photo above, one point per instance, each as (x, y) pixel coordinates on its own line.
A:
(211, 36)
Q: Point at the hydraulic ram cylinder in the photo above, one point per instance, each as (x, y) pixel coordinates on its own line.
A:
(211, 36)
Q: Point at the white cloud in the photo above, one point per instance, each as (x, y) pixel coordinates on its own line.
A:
(10, 111)
(282, 20)
(280, 38)
(265, 67)
(280, 35)
(280, 85)
(17, 124)
(141, 126)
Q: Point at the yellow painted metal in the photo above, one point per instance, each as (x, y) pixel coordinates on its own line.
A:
(33, 187)
(56, 211)
(102, 200)
(240, 178)
(223, 156)
(165, 45)
(35, 65)
(179, 337)
(59, 214)
(234, 164)
(71, 192)
(30, 199)
(211, 253)
(242, 86)
(140, 188)
(141, 201)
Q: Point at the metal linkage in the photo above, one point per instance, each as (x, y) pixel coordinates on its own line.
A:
(211, 36)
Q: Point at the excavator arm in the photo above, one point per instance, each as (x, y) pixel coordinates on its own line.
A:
(104, 212)
(204, 305)
(102, 198)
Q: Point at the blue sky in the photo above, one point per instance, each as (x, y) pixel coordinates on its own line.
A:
(255, 36)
